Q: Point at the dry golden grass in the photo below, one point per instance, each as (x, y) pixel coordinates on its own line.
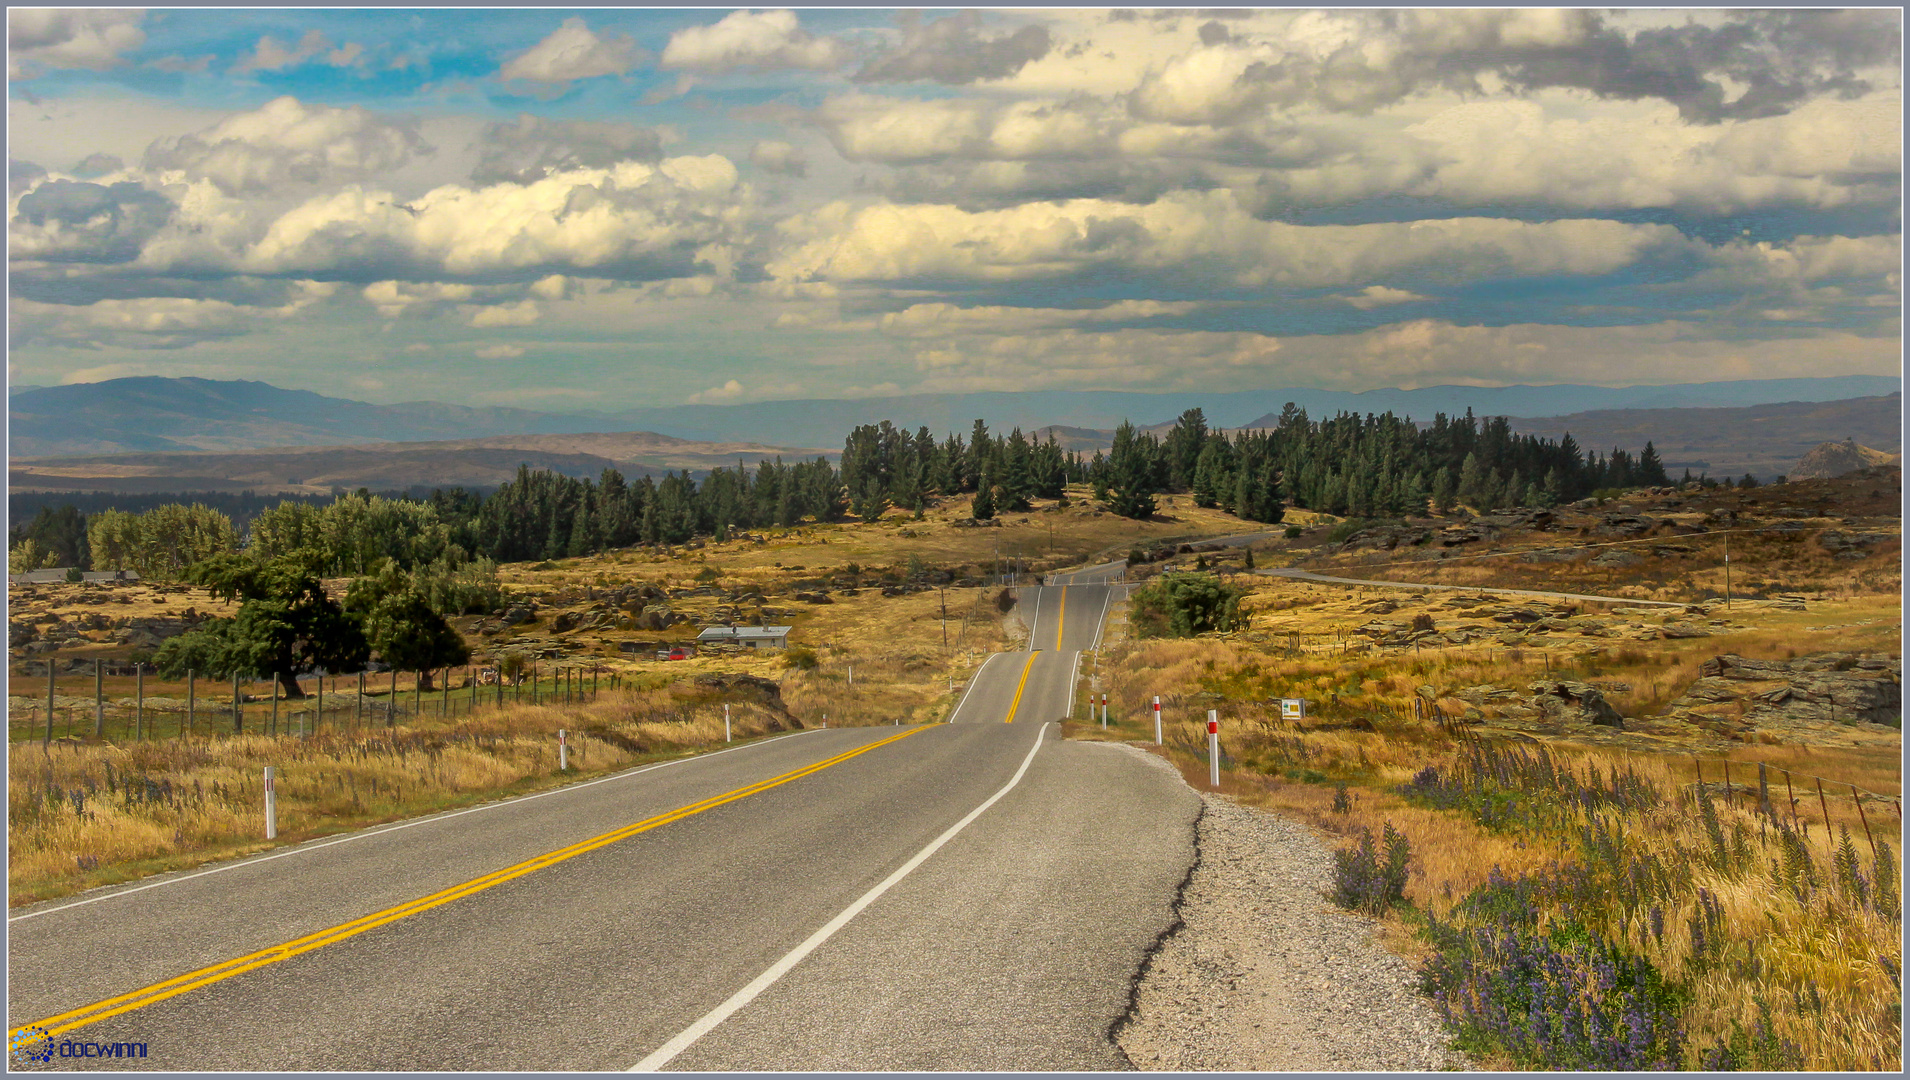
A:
(1369, 740)
(87, 815)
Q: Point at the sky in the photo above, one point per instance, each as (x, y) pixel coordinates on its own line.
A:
(596, 209)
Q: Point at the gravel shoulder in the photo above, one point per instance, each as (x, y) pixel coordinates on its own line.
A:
(1263, 973)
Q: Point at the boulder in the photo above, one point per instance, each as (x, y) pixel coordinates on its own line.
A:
(518, 614)
(1615, 557)
(1574, 702)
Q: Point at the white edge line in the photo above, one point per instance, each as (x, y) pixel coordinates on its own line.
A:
(1074, 681)
(1101, 627)
(1037, 622)
(684, 1039)
(317, 845)
(972, 680)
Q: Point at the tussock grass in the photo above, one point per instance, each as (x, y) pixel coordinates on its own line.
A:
(81, 815)
(1799, 964)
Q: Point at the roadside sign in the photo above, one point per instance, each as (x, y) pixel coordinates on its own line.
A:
(1293, 708)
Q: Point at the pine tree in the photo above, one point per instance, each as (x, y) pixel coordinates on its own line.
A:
(984, 508)
(1017, 476)
(1131, 479)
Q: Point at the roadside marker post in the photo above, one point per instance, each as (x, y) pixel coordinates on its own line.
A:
(271, 804)
(1213, 748)
(1157, 720)
(1104, 710)
(726, 723)
(563, 751)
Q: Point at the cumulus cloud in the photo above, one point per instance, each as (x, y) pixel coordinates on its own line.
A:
(81, 222)
(532, 148)
(272, 55)
(522, 313)
(955, 50)
(1426, 352)
(1747, 64)
(396, 298)
(40, 38)
(573, 52)
(1379, 296)
(949, 320)
(98, 165)
(287, 142)
(1194, 236)
(633, 221)
(718, 395)
(743, 40)
(778, 157)
(149, 322)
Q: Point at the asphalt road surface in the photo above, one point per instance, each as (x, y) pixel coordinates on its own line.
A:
(974, 895)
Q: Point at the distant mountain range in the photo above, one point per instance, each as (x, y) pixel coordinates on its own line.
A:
(151, 414)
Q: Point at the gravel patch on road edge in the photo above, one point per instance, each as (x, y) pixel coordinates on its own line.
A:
(1261, 972)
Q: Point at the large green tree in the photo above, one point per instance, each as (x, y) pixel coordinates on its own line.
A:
(402, 627)
(1184, 604)
(285, 625)
(1130, 469)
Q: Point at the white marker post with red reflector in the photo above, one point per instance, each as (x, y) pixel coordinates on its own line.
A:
(1104, 710)
(1157, 720)
(563, 751)
(271, 804)
(1213, 747)
(726, 723)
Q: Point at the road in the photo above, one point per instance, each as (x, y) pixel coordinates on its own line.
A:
(954, 897)
(1308, 575)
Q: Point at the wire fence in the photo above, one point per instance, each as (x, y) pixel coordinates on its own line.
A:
(330, 703)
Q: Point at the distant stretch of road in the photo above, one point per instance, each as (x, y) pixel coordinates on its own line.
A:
(965, 896)
(1308, 575)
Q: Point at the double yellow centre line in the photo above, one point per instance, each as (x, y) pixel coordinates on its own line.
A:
(1060, 625)
(139, 999)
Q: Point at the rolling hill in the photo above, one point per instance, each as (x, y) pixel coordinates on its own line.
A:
(152, 414)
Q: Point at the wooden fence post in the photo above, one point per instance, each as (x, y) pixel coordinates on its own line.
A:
(1854, 797)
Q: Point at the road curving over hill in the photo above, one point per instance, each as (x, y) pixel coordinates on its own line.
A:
(945, 897)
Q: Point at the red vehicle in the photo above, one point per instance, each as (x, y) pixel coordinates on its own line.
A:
(673, 654)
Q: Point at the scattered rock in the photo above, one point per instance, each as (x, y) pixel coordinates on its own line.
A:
(1574, 702)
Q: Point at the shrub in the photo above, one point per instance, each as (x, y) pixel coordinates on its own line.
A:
(1293, 532)
(1185, 604)
(1135, 556)
(1005, 601)
(1555, 997)
(1344, 529)
(800, 657)
(1364, 878)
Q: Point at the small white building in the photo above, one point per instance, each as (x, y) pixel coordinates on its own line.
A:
(750, 637)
